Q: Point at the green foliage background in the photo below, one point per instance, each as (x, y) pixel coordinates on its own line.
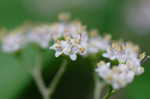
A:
(77, 83)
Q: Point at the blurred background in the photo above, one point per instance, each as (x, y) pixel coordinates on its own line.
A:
(127, 19)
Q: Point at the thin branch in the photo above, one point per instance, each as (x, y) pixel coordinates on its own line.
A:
(37, 76)
(46, 92)
(59, 74)
(98, 88)
(109, 93)
(40, 83)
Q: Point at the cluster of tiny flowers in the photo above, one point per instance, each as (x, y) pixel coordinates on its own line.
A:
(74, 40)
(70, 47)
(71, 38)
(97, 43)
(128, 66)
(39, 35)
(17, 39)
(13, 42)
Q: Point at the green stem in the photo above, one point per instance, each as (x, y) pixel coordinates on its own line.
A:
(98, 88)
(37, 76)
(109, 93)
(40, 83)
(47, 92)
(54, 83)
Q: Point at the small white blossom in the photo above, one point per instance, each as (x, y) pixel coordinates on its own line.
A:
(72, 29)
(97, 43)
(40, 35)
(57, 30)
(70, 47)
(128, 67)
(137, 69)
(117, 76)
(122, 52)
(13, 42)
(73, 39)
(126, 53)
(103, 69)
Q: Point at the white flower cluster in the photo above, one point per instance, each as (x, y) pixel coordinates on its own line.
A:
(18, 39)
(70, 47)
(39, 35)
(71, 38)
(13, 42)
(129, 64)
(97, 43)
(76, 40)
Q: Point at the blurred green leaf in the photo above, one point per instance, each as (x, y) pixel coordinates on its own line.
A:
(28, 56)
(15, 70)
(30, 52)
(139, 89)
(13, 77)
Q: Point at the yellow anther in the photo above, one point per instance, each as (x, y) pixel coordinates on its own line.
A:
(82, 50)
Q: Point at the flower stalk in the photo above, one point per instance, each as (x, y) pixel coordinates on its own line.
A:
(110, 92)
(37, 76)
(56, 79)
(40, 83)
(45, 91)
(98, 88)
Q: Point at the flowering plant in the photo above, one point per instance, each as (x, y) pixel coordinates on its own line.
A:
(116, 63)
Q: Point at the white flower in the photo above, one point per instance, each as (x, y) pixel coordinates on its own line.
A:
(40, 35)
(70, 47)
(115, 52)
(57, 30)
(128, 67)
(72, 29)
(126, 53)
(70, 39)
(117, 76)
(98, 43)
(13, 42)
(122, 52)
(103, 69)
(122, 76)
(137, 69)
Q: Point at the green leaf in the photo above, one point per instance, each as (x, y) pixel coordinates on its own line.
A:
(13, 76)
(140, 87)
(28, 56)
(15, 69)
